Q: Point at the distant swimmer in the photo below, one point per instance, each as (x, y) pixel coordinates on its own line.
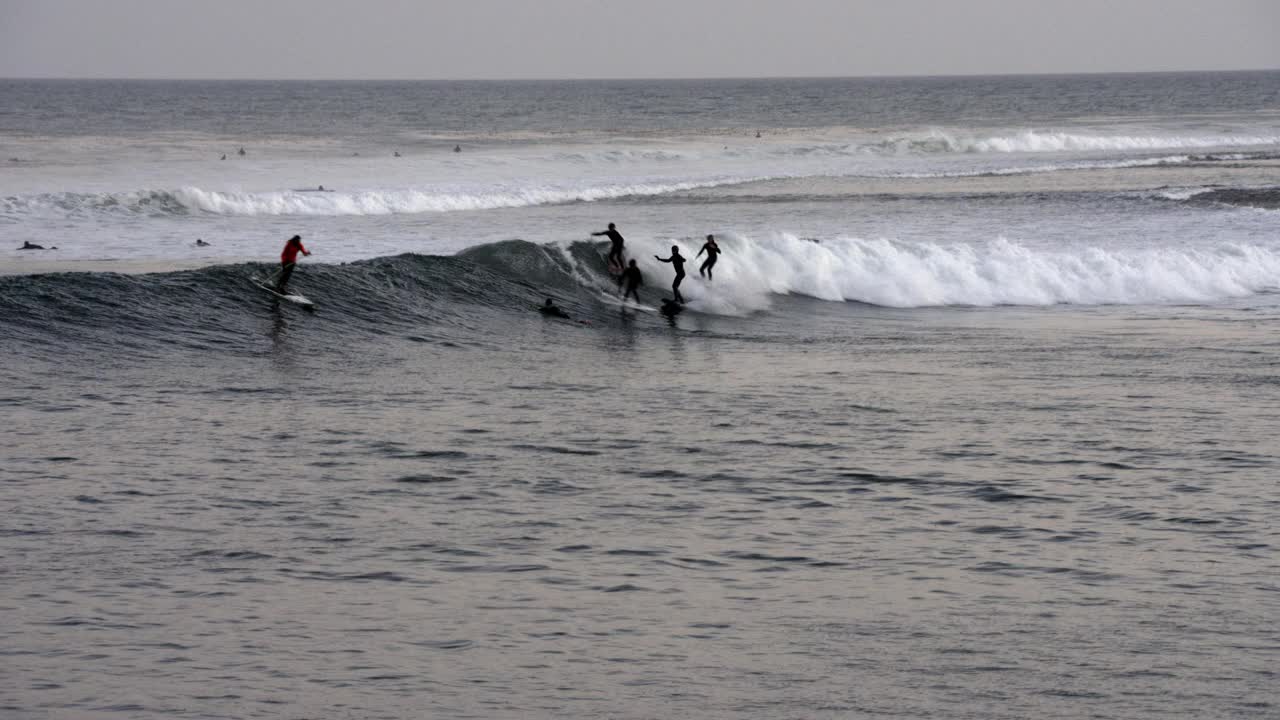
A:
(677, 260)
(757, 133)
(549, 308)
(201, 243)
(28, 245)
(242, 153)
(457, 148)
(224, 156)
(630, 280)
(713, 251)
(396, 154)
(321, 188)
(288, 259)
(615, 250)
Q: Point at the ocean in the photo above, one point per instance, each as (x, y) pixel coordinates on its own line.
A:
(977, 417)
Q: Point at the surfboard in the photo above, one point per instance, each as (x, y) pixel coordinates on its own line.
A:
(293, 297)
(627, 304)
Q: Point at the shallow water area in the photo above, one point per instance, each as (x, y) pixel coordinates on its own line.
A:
(690, 520)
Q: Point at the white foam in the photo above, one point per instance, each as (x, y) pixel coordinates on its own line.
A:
(389, 202)
(899, 274)
(1033, 141)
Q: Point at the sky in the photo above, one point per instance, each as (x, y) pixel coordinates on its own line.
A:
(480, 39)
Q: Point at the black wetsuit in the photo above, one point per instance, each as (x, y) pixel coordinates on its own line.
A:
(677, 260)
(630, 280)
(553, 311)
(713, 252)
(615, 250)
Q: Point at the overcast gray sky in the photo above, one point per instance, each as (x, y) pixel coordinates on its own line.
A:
(639, 38)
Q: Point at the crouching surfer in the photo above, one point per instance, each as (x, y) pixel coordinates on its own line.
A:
(630, 280)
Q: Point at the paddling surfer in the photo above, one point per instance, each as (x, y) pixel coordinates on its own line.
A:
(288, 259)
(615, 249)
(678, 261)
(553, 310)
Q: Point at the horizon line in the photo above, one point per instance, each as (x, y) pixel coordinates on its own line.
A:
(632, 79)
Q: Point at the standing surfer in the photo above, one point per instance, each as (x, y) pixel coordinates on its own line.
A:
(630, 280)
(713, 251)
(615, 250)
(677, 260)
(288, 259)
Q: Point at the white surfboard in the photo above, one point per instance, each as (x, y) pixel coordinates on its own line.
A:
(628, 304)
(293, 297)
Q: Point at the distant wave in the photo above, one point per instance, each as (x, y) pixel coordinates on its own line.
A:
(366, 202)
(1034, 141)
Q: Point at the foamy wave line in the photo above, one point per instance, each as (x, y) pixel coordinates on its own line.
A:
(1040, 169)
(374, 202)
(1032, 141)
(900, 274)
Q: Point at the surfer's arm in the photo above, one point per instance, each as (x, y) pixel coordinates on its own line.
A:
(665, 260)
(704, 249)
(603, 232)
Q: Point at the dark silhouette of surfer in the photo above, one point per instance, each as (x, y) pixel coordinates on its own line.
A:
(242, 153)
(713, 252)
(201, 243)
(288, 259)
(615, 249)
(457, 148)
(551, 309)
(676, 260)
(28, 245)
(224, 156)
(630, 280)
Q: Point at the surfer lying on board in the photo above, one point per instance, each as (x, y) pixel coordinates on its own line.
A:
(615, 250)
(629, 280)
(713, 252)
(288, 259)
(553, 310)
(677, 260)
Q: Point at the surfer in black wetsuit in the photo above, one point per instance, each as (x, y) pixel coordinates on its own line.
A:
(677, 260)
(713, 251)
(549, 308)
(630, 280)
(201, 243)
(615, 250)
(28, 245)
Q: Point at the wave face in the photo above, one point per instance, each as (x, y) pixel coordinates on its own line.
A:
(463, 296)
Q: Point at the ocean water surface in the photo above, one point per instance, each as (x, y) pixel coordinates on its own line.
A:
(977, 418)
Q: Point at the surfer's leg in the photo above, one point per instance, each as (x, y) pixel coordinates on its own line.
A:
(283, 280)
(675, 288)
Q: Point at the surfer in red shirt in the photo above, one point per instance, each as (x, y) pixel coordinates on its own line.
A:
(288, 259)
